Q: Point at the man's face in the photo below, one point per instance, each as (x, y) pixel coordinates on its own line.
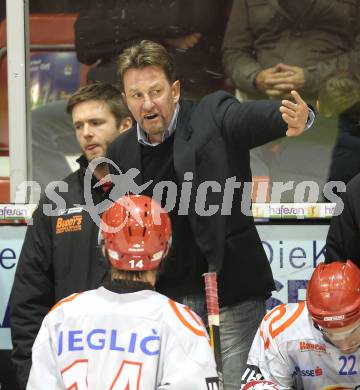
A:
(151, 99)
(95, 127)
(347, 339)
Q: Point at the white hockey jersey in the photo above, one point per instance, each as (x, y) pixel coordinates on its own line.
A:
(102, 340)
(289, 351)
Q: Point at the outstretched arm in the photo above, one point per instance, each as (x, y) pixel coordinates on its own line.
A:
(251, 124)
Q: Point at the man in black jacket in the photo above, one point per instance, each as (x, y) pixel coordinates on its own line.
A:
(59, 255)
(191, 30)
(200, 152)
(343, 239)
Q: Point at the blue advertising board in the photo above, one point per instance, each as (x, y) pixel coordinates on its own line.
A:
(11, 239)
(53, 76)
(293, 252)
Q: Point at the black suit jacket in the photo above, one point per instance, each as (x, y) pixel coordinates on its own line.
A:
(212, 140)
(342, 241)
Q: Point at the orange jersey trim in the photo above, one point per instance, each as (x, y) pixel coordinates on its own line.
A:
(198, 332)
(68, 299)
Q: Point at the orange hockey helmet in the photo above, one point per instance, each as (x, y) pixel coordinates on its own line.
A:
(333, 294)
(136, 233)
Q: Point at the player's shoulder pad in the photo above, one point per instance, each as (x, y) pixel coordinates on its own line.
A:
(63, 301)
(280, 320)
(187, 320)
(187, 335)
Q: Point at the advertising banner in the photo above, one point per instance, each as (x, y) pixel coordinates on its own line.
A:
(53, 76)
(11, 239)
(293, 252)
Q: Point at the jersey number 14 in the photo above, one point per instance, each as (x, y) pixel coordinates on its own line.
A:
(127, 377)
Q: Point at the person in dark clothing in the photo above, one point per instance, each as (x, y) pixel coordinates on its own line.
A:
(341, 95)
(343, 239)
(44, 6)
(345, 163)
(191, 30)
(272, 47)
(177, 143)
(59, 255)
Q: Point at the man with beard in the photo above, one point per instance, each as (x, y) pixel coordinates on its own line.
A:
(59, 255)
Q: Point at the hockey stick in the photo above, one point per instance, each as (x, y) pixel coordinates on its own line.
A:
(212, 303)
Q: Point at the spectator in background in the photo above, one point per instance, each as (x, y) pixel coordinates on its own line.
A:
(192, 31)
(59, 255)
(343, 239)
(58, 6)
(272, 47)
(45, 6)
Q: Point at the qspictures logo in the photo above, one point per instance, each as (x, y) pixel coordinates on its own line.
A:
(186, 195)
(70, 224)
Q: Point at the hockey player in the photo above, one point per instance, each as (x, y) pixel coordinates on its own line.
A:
(315, 344)
(124, 335)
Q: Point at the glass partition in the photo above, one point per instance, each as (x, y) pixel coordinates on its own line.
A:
(4, 133)
(273, 47)
(72, 43)
(55, 73)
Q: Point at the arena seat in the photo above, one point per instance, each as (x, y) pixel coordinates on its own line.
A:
(49, 33)
(4, 189)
